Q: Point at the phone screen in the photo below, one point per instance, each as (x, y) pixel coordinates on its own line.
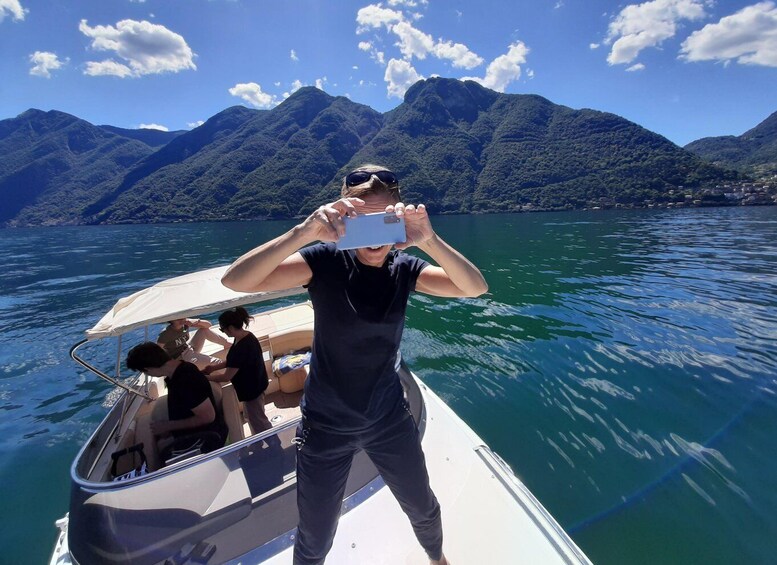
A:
(370, 230)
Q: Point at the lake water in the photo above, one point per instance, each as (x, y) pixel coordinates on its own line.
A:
(623, 363)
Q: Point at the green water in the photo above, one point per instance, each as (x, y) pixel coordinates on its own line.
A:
(623, 363)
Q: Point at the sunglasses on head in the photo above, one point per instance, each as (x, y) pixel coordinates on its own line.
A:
(360, 177)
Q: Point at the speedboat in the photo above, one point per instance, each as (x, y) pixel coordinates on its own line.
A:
(130, 503)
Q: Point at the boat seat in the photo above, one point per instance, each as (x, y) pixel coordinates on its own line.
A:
(156, 387)
(284, 342)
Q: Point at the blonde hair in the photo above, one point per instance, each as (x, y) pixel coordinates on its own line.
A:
(372, 186)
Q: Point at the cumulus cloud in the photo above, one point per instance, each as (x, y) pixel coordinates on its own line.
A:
(12, 8)
(637, 67)
(154, 126)
(108, 67)
(252, 93)
(412, 42)
(749, 37)
(198, 123)
(504, 69)
(458, 54)
(400, 75)
(375, 16)
(146, 49)
(320, 82)
(408, 3)
(639, 26)
(293, 55)
(44, 62)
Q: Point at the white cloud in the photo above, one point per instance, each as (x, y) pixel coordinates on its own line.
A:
(749, 36)
(108, 67)
(412, 42)
(400, 75)
(44, 62)
(293, 55)
(408, 3)
(639, 26)
(296, 85)
(504, 69)
(12, 8)
(198, 123)
(374, 16)
(365, 45)
(154, 126)
(637, 67)
(458, 54)
(320, 82)
(147, 49)
(252, 93)
(593, 46)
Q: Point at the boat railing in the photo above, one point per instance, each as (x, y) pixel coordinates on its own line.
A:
(533, 508)
(114, 381)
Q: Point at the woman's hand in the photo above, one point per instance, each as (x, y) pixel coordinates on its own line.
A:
(418, 227)
(326, 223)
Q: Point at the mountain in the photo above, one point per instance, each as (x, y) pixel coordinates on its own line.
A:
(460, 146)
(755, 151)
(455, 145)
(151, 137)
(53, 161)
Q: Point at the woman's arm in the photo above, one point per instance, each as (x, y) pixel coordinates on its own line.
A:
(222, 376)
(276, 265)
(455, 276)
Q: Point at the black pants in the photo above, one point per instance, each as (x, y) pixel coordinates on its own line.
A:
(323, 463)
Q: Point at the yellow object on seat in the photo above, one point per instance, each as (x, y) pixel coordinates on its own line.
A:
(284, 342)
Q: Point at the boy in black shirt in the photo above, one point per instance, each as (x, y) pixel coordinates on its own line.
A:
(191, 407)
(353, 398)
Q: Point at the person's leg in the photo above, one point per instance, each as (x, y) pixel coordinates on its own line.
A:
(254, 411)
(257, 419)
(396, 452)
(198, 339)
(323, 463)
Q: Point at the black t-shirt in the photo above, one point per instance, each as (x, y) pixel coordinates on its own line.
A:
(251, 378)
(187, 388)
(360, 316)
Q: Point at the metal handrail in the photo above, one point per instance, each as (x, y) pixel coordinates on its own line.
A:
(102, 375)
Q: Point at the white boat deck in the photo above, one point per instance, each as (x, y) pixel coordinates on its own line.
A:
(488, 516)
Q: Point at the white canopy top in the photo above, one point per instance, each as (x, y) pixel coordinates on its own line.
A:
(195, 294)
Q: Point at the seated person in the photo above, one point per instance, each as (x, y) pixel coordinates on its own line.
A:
(244, 367)
(174, 339)
(191, 408)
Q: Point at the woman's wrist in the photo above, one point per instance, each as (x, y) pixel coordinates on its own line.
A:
(428, 245)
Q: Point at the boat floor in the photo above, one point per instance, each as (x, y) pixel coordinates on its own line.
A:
(280, 407)
(485, 520)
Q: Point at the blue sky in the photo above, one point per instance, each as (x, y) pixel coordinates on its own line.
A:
(683, 68)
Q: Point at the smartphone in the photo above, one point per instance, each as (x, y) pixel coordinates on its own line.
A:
(370, 230)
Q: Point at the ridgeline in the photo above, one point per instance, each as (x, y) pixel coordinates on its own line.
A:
(456, 146)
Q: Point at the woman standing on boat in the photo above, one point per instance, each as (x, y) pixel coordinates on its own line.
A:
(353, 397)
(244, 367)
